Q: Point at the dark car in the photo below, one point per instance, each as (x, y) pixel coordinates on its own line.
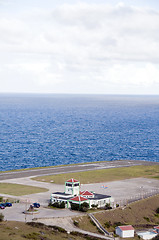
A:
(8, 204)
(36, 205)
(2, 207)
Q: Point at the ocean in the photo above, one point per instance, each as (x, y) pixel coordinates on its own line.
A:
(47, 129)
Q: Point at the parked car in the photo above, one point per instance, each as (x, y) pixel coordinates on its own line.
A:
(8, 204)
(2, 207)
(36, 205)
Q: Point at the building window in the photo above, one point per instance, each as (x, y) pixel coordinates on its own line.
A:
(76, 184)
(69, 184)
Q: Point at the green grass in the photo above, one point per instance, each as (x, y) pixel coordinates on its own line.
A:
(104, 175)
(18, 189)
(139, 214)
(22, 231)
(62, 165)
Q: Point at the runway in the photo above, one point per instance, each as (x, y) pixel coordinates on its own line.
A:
(72, 168)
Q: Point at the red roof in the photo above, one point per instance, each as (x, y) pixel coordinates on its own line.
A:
(126, 228)
(86, 193)
(79, 199)
(72, 180)
(157, 227)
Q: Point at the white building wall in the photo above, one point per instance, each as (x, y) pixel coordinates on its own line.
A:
(118, 232)
(124, 234)
(128, 233)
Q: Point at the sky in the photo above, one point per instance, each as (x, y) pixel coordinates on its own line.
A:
(79, 47)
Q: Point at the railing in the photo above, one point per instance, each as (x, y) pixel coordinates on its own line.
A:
(99, 226)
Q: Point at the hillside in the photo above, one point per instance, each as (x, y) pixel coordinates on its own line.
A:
(140, 214)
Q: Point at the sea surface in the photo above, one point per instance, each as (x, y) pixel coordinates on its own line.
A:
(45, 130)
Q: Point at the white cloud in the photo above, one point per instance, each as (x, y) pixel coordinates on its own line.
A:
(81, 45)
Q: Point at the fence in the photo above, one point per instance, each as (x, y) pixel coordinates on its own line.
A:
(142, 195)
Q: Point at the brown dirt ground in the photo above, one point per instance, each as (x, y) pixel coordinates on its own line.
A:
(140, 214)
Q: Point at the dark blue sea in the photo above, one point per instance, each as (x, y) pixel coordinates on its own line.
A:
(45, 130)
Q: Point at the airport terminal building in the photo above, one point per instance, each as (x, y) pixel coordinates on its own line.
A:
(72, 194)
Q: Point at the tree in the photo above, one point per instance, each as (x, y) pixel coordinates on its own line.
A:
(75, 206)
(1, 217)
(84, 207)
(157, 210)
(62, 205)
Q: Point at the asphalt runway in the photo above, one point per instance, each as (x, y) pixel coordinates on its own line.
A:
(72, 168)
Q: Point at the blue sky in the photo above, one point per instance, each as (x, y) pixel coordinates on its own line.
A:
(101, 47)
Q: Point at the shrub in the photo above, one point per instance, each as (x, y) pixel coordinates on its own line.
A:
(107, 224)
(1, 217)
(58, 204)
(94, 205)
(147, 219)
(75, 206)
(84, 207)
(62, 205)
(33, 236)
(76, 223)
(1, 199)
(116, 224)
(91, 221)
(107, 206)
(157, 210)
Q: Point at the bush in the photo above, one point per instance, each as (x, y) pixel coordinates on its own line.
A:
(58, 204)
(75, 206)
(1, 217)
(107, 224)
(1, 199)
(107, 206)
(147, 219)
(62, 205)
(157, 210)
(94, 205)
(76, 223)
(84, 207)
(33, 236)
(116, 224)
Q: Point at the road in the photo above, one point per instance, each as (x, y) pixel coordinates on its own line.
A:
(71, 168)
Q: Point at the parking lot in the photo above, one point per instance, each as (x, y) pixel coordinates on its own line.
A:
(15, 213)
(119, 190)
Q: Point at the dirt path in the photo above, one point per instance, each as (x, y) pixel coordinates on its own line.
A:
(68, 225)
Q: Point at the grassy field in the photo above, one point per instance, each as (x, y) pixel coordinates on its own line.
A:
(22, 231)
(18, 189)
(138, 214)
(104, 175)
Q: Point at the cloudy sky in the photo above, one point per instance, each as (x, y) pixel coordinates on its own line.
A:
(89, 46)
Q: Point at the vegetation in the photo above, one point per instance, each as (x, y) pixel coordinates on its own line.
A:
(141, 214)
(35, 231)
(80, 207)
(58, 205)
(156, 238)
(94, 206)
(1, 217)
(18, 189)
(107, 206)
(104, 175)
